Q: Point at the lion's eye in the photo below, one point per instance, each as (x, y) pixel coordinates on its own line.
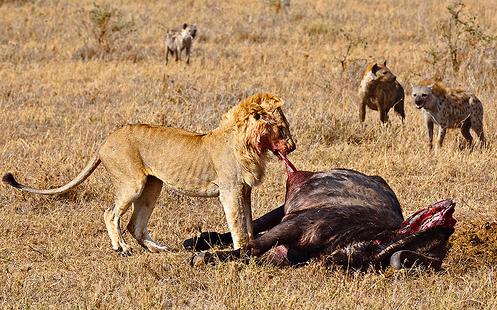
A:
(257, 116)
(424, 95)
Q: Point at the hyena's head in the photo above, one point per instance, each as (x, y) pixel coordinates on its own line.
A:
(190, 29)
(425, 95)
(381, 73)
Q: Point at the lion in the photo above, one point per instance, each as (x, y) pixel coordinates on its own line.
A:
(380, 91)
(226, 163)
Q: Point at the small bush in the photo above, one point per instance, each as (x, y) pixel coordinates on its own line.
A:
(460, 41)
(352, 42)
(107, 35)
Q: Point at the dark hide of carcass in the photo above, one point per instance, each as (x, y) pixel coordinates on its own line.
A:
(345, 218)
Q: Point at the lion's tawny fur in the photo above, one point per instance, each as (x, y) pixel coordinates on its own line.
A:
(225, 162)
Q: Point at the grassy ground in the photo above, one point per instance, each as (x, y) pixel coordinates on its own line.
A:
(55, 110)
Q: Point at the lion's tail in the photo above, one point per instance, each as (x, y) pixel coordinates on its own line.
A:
(8, 178)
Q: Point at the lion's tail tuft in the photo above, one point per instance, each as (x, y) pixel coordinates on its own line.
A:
(9, 179)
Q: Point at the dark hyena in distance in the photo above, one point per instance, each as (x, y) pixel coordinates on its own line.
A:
(380, 91)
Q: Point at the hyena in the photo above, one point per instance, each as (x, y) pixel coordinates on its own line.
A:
(449, 108)
(177, 41)
(380, 91)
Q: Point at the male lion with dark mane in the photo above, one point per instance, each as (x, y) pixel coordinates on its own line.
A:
(225, 162)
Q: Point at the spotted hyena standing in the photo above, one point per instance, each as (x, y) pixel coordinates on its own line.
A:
(449, 108)
(380, 91)
(177, 41)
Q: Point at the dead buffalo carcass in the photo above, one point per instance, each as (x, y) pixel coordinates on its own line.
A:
(345, 218)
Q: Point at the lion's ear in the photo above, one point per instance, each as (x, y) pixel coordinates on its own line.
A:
(270, 105)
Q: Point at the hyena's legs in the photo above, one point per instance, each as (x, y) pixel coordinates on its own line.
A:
(383, 112)
(362, 112)
(465, 131)
(167, 54)
(178, 54)
(477, 126)
(187, 50)
(383, 115)
(441, 135)
(128, 189)
(476, 118)
(429, 132)
(399, 109)
(142, 209)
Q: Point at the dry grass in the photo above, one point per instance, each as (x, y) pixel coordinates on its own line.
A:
(54, 252)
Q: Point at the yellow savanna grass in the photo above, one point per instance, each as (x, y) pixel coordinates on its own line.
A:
(55, 110)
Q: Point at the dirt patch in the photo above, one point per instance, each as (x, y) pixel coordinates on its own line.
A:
(474, 243)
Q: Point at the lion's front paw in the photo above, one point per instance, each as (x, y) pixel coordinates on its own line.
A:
(125, 250)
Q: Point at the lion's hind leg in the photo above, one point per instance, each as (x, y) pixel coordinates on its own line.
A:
(126, 193)
(142, 210)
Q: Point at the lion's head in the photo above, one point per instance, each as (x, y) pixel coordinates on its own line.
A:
(261, 126)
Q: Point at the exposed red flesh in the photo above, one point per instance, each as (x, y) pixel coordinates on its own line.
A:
(437, 215)
(290, 168)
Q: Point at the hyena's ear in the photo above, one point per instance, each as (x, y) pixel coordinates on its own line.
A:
(185, 25)
(385, 63)
(375, 68)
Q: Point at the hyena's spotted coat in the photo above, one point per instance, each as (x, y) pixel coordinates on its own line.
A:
(449, 108)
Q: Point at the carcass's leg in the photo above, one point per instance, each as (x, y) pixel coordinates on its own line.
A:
(282, 234)
(207, 240)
